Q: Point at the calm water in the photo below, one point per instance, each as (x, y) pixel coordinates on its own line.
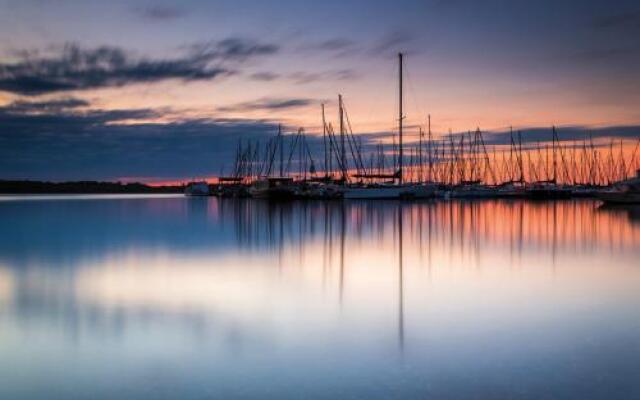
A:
(167, 297)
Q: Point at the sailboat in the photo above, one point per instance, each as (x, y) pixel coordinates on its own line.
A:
(550, 189)
(371, 192)
(394, 190)
(197, 188)
(623, 192)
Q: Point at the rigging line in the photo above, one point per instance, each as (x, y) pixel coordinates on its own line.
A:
(564, 164)
(412, 93)
(293, 147)
(632, 163)
(335, 147)
(306, 146)
(333, 143)
(277, 144)
(354, 155)
(357, 156)
(488, 165)
(268, 157)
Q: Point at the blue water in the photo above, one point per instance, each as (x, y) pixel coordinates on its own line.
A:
(143, 297)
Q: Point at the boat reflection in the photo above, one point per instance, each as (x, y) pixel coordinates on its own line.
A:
(631, 211)
(71, 233)
(208, 264)
(201, 293)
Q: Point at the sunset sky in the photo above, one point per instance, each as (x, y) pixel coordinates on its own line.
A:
(163, 90)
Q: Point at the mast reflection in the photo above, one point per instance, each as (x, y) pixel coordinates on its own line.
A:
(400, 281)
(99, 271)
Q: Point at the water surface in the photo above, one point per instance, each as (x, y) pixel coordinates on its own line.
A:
(172, 298)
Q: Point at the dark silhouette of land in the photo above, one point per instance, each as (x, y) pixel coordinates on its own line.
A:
(42, 187)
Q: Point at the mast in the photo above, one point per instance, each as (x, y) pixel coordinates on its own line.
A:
(429, 149)
(520, 160)
(510, 168)
(553, 144)
(343, 153)
(281, 150)
(420, 168)
(400, 161)
(324, 142)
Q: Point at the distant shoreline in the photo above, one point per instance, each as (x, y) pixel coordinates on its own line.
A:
(82, 187)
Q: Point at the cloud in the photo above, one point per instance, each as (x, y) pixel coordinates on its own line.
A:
(231, 49)
(334, 44)
(606, 54)
(102, 144)
(72, 143)
(391, 43)
(268, 104)
(301, 78)
(264, 76)
(335, 47)
(565, 133)
(161, 13)
(624, 20)
(387, 44)
(56, 105)
(55, 117)
(77, 68)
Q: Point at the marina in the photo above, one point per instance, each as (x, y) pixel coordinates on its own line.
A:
(453, 166)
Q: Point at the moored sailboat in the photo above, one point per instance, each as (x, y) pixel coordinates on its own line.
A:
(623, 192)
(280, 188)
(198, 188)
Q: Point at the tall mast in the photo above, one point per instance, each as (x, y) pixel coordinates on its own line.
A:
(553, 144)
(343, 153)
(521, 161)
(429, 141)
(511, 169)
(324, 142)
(420, 169)
(400, 161)
(281, 150)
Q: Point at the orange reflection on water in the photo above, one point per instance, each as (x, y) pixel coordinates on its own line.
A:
(404, 272)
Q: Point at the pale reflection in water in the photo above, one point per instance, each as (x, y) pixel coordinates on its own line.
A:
(205, 298)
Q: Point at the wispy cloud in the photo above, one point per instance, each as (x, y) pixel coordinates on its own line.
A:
(604, 53)
(338, 43)
(268, 104)
(387, 44)
(55, 105)
(534, 135)
(391, 43)
(61, 116)
(334, 47)
(306, 77)
(301, 78)
(264, 76)
(233, 49)
(628, 19)
(161, 12)
(75, 68)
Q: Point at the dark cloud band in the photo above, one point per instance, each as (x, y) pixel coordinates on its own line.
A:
(77, 68)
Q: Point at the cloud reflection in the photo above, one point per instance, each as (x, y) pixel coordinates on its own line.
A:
(224, 287)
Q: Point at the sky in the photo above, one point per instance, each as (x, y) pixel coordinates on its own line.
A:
(162, 90)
